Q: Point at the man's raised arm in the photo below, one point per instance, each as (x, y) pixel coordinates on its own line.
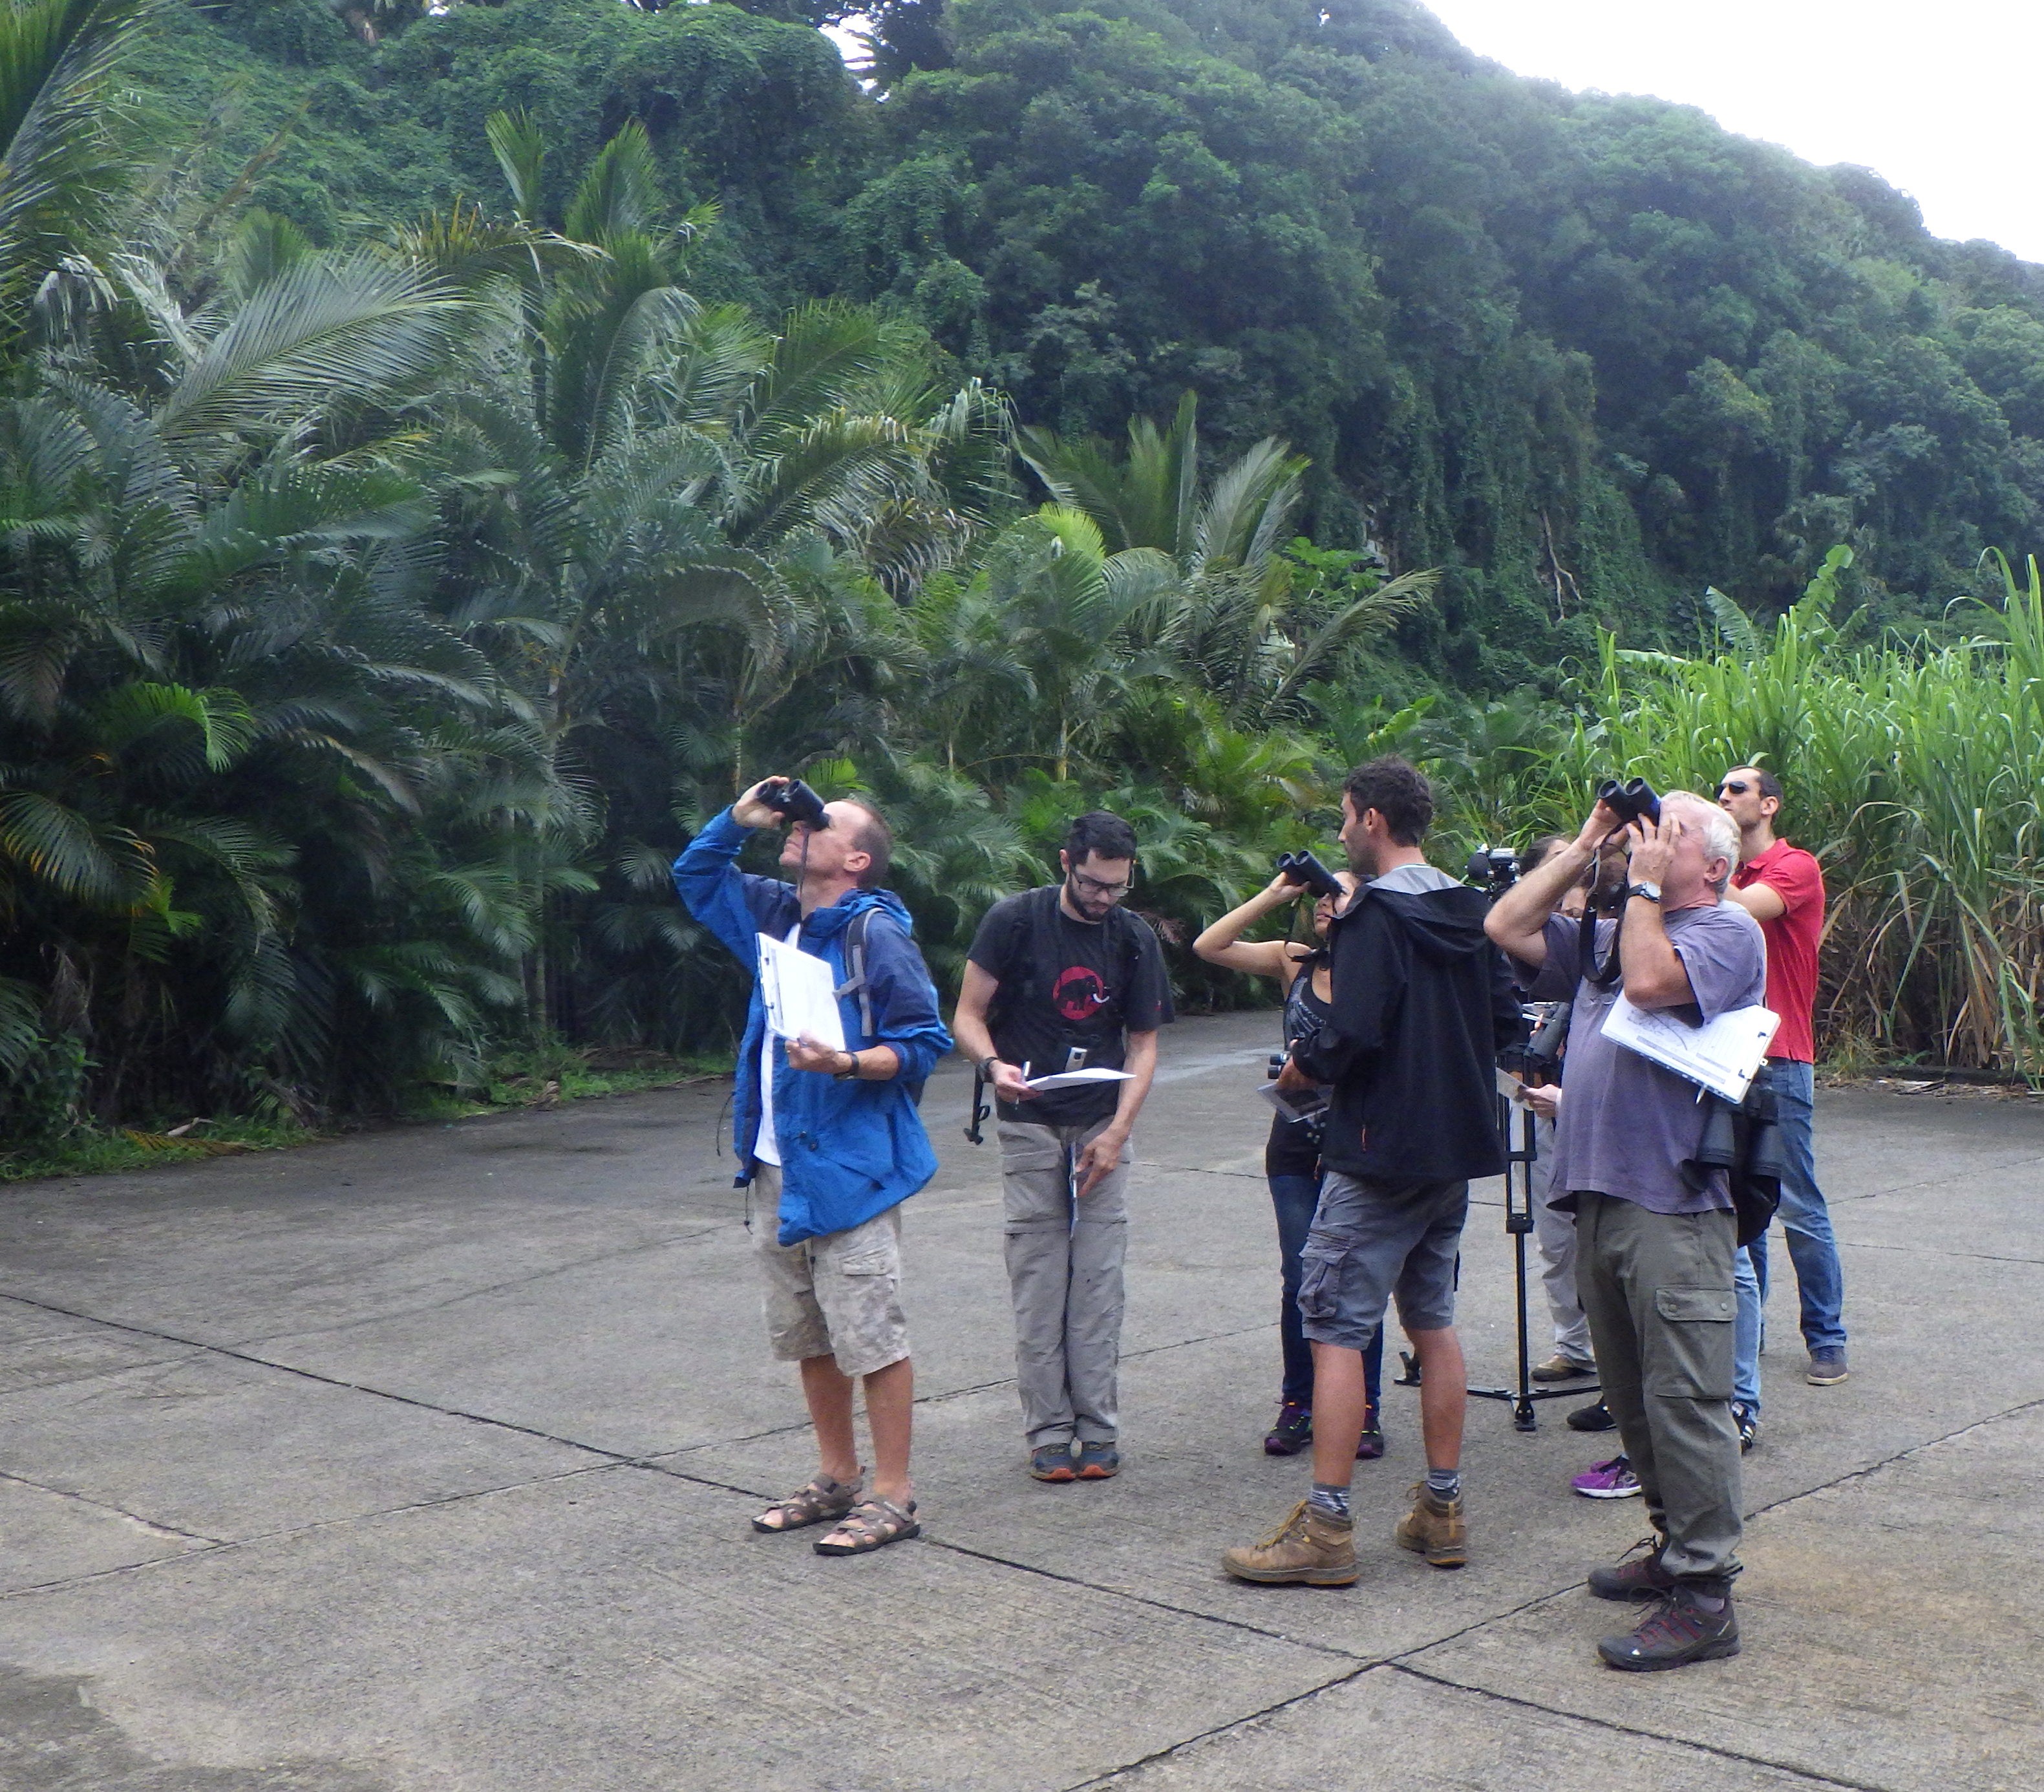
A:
(1517, 922)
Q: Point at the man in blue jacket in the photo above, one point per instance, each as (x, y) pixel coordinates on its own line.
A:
(832, 1140)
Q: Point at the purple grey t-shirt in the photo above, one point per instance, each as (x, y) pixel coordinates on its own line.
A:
(1625, 1125)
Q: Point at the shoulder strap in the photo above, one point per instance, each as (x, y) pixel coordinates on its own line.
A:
(855, 982)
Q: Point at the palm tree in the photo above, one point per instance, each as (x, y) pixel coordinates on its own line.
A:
(1253, 624)
(678, 533)
(63, 167)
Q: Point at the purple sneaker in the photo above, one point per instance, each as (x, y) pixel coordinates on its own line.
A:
(1292, 1432)
(1612, 1480)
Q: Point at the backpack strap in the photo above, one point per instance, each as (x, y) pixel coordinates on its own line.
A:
(856, 981)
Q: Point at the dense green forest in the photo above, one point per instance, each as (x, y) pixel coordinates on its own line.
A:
(445, 452)
(1587, 354)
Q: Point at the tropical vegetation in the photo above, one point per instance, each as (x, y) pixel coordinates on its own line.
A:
(396, 573)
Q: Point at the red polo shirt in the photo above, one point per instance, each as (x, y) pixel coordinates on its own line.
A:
(1792, 942)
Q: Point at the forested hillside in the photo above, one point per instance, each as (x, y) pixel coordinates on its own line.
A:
(444, 456)
(1588, 353)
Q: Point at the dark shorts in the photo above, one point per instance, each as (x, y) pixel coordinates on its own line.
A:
(1373, 1242)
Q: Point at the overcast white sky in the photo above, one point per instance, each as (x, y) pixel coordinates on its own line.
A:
(1941, 98)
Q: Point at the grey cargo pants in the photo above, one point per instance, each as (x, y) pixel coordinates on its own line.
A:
(1064, 1273)
(1657, 1288)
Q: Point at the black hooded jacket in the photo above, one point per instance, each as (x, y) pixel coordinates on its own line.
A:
(1423, 1003)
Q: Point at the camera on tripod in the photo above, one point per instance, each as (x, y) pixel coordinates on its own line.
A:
(1493, 870)
(1629, 801)
(795, 801)
(1306, 870)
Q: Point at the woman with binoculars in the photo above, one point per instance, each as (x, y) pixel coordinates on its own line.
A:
(1291, 1159)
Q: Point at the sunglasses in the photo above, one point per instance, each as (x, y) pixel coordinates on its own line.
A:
(1733, 787)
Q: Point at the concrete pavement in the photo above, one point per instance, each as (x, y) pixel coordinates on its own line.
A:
(424, 1460)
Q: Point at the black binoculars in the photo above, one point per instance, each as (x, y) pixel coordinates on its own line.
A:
(795, 801)
(1303, 869)
(1630, 801)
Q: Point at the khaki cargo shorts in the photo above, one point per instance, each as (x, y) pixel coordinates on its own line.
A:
(839, 1295)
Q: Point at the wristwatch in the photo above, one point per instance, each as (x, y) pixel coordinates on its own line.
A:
(850, 1072)
(985, 1066)
(1650, 891)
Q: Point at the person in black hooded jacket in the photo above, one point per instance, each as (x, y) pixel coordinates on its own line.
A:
(1422, 1004)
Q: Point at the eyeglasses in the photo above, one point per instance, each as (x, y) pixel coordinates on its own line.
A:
(1104, 892)
(1733, 787)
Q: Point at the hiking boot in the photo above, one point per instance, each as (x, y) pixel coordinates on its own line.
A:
(1827, 1367)
(1435, 1529)
(1748, 1422)
(1612, 1480)
(1641, 1578)
(1311, 1548)
(1098, 1462)
(1052, 1462)
(1560, 1368)
(1677, 1631)
(1292, 1432)
(1593, 1417)
(1369, 1446)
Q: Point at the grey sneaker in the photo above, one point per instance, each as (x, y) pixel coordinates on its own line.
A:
(1827, 1367)
(1052, 1462)
(1096, 1462)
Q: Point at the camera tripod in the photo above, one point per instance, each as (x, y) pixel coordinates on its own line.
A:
(1519, 1158)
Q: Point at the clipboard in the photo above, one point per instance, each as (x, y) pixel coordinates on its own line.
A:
(1723, 1055)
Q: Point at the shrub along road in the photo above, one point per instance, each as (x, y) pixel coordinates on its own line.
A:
(425, 1460)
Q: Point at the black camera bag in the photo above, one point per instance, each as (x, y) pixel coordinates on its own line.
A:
(1744, 1140)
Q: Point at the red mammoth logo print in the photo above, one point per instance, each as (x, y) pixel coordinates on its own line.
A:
(1079, 994)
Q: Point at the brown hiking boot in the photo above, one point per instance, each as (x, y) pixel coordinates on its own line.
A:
(1436, 1530)
(1311, 1547)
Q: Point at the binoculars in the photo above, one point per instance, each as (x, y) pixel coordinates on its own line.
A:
(1306, 870)
(795, 801)
(1629, 801)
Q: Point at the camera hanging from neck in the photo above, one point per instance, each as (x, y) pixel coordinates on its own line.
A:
(1605, 974)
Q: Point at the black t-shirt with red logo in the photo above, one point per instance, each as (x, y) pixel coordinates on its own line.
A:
(1067, 984)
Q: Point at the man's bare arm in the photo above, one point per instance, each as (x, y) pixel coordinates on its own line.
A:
(1104, 1152)
(975, 1042)
(1517, 922)
(1655, 976)
(1763, 901)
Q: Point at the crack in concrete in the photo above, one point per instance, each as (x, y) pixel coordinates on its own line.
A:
(1902, 1455)
(479, 1293)
(1616, 1728)
(101, 1505)
(1933, 1251)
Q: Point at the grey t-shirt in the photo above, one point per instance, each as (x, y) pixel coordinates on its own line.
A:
(1625, 1125)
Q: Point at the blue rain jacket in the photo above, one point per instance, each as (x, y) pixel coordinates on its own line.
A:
(848, 1150)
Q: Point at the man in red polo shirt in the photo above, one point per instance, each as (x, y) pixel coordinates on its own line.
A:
(1782, 887)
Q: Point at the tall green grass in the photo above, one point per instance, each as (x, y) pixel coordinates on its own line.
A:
(1914, 772)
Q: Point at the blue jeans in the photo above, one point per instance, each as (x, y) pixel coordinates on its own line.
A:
(1751, 1331)
(1295, 1199)
(1806, 1222)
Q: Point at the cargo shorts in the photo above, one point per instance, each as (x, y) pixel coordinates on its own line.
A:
(839, 1295)
(1375, 1241)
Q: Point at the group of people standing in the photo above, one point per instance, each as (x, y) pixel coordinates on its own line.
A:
(1394, 1013)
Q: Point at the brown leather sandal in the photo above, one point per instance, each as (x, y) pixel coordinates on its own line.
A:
(818, 1503)
(873, 1523)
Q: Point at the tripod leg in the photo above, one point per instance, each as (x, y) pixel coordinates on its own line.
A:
(1522, 1413)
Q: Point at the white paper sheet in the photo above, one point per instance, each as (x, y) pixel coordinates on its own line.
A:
(800, 993)
(1723, 1055)
(1078, 1079)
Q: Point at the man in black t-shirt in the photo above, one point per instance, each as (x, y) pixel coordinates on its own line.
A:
(1062, 978)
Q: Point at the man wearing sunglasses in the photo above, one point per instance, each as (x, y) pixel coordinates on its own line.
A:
(1064, 978)
(1782, 887)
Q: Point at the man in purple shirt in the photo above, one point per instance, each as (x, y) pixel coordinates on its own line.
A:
(1656, 1230)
